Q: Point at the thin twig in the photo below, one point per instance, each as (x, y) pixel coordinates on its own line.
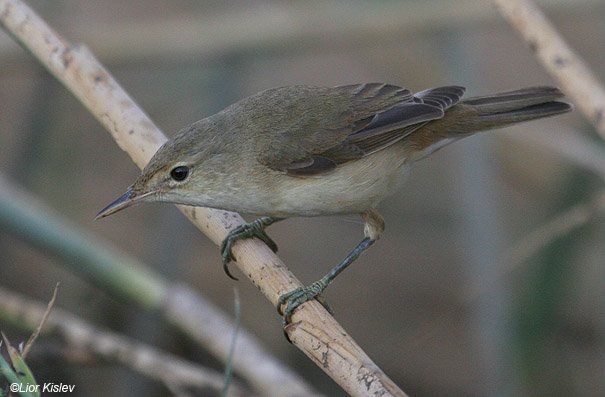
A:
(80, 335)
(238, 317)
(569, 145)
(557, 227)
(560, 225)
(34, 336)
(558, 58)
(312, 330)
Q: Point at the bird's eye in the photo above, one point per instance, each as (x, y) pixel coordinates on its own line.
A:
(179, 173)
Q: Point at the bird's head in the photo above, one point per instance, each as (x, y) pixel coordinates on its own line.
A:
(181, 172)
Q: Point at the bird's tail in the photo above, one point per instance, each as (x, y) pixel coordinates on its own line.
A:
(500, 110)
(485, 113)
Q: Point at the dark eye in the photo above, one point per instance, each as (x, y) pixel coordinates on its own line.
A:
(179, 173)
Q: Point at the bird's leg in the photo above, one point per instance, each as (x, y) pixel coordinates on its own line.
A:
(374, 225)
(253, 229)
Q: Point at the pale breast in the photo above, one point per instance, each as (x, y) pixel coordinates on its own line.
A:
(351, 188)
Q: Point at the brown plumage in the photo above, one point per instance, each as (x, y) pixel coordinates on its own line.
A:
(308, 151)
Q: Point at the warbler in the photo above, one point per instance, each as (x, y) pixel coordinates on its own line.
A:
(313, 151)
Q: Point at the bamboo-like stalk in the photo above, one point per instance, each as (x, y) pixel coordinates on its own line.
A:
(558, 58)
(79, 335)
(89, 257)
(312, 330)
(123, 275)
(283, 27)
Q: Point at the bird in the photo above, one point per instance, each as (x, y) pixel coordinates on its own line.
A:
(314, 151)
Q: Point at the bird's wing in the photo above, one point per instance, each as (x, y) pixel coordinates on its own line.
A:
(394, 124)
(363, 119)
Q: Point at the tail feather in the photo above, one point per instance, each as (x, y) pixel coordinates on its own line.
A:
(527, 113)
(513, 100)
(485, 113)
(506, 108)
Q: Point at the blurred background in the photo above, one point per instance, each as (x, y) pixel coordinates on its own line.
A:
(441, 303)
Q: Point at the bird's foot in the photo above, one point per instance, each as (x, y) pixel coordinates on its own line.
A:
(301, 295)
(252, 229)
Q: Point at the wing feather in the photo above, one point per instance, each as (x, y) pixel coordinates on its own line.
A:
(363, 119)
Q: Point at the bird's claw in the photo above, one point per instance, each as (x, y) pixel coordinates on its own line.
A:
(301, 295)
(252, 229)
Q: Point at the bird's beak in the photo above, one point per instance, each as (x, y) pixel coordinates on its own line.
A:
(126, 200)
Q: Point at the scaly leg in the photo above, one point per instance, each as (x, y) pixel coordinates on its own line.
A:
(253, 229)
(374, 225)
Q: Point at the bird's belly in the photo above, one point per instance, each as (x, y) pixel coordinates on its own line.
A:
(351, 188)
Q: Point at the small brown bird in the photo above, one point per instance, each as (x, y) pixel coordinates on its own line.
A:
(312, 151)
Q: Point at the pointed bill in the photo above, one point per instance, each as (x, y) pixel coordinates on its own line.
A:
(126, 200)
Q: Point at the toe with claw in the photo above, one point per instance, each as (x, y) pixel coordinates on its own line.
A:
(301, 295)
(252, 229)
